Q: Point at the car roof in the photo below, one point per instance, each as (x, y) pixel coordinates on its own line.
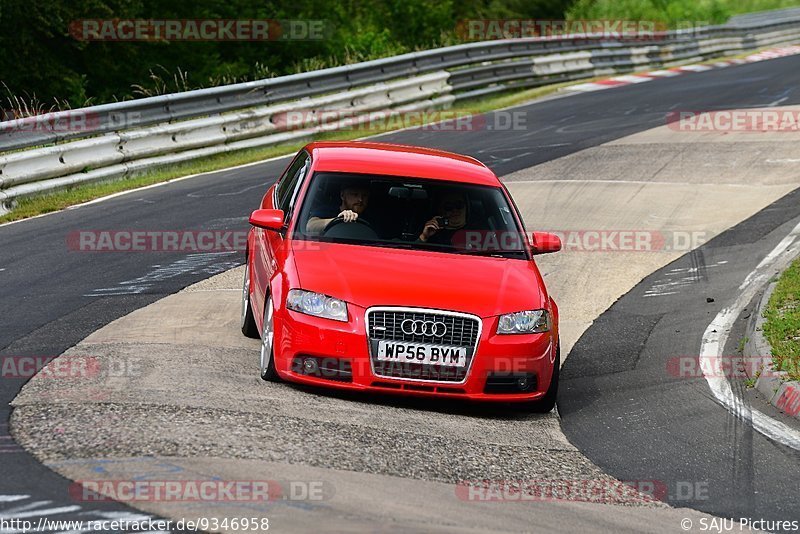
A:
(399, 160)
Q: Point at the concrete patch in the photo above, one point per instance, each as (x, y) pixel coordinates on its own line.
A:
(213, 320)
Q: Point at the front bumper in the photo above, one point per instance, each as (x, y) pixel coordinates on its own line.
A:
(342, 352)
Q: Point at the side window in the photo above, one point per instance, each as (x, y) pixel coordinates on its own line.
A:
(288, 183)
(291, 196)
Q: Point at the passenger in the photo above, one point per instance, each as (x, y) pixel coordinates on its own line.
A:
(451, 217)
(354, 200)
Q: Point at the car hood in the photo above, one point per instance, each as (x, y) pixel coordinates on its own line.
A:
(375, 276)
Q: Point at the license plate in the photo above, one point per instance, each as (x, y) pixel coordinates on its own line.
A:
(423, 353)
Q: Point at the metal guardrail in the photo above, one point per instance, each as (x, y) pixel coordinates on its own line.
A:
(165, 108)
(125, 138)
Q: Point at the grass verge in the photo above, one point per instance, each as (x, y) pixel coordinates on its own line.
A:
(782, 326)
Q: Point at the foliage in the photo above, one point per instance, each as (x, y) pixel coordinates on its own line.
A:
(43, 67)
(673, 13)
(41, 62)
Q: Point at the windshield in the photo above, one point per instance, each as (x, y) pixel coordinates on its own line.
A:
(386, 211)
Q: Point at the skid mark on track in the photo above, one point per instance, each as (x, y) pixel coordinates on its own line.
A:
(210, 263)
(676, 279)
(717, 333)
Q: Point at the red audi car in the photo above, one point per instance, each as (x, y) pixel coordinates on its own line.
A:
(400, 269)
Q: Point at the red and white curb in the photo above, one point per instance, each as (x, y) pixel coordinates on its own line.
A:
(719, 330)
(628, 79)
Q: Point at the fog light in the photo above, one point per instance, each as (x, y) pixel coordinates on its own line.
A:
(523, 383)
(310, 366)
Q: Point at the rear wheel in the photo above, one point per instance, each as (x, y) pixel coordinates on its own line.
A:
(267, 360)
(548, 402)
(248, 322)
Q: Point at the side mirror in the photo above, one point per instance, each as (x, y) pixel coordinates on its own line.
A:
(267, 219)
(544, 242)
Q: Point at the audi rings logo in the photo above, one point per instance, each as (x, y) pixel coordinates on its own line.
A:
(423, 328)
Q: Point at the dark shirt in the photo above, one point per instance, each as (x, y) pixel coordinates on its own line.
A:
(326, 211)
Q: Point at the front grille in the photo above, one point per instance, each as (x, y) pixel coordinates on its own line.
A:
(385, 324)
(461, 331)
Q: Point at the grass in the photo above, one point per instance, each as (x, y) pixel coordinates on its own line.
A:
(38, 205)
(782, 326)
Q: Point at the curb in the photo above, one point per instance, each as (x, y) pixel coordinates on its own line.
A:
(627, 79)
(778, 391)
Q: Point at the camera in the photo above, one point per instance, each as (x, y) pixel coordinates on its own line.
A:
(443, 222)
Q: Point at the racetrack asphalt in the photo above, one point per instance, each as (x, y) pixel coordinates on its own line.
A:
(53, 297)
(625, 402)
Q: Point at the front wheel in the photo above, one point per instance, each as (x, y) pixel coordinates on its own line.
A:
(548, 402)
(267, 360)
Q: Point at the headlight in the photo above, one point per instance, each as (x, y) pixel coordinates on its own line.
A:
(316, 304)
(524, 322)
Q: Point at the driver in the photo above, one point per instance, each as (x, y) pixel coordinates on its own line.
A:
(354, 200)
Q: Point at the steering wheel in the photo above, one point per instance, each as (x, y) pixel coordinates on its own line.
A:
(339, 220)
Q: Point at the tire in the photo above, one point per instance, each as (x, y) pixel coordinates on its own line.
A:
(248, 322)
(267, 358)
(548, 402)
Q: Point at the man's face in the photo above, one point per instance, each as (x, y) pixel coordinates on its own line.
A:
(355, 199)
(454, 207)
